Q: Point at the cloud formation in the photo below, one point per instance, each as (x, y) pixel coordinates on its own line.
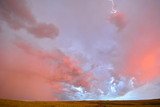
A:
(32, 74)
(118, 19)
(90, 60)
(17, 15)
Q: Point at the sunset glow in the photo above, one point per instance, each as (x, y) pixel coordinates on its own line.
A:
(79, 49)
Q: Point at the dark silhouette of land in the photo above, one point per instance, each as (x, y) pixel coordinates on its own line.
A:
(129, 103)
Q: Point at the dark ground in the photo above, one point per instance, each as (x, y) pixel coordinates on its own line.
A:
(140, 103)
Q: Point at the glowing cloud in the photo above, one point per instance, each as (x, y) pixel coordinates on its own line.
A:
(88, 59)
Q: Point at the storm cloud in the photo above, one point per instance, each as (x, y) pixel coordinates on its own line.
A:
(79, 50)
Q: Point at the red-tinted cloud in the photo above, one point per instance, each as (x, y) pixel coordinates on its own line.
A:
(118, 19)
(17, 15)
(43, 29)
(27, 73)
(141, 40)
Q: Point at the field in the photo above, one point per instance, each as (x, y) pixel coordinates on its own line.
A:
(142, 103)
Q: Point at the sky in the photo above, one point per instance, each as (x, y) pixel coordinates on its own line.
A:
(79, 49)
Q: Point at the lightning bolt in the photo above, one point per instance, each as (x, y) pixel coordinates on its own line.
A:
(113, 7)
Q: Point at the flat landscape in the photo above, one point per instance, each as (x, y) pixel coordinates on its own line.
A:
(140, 103)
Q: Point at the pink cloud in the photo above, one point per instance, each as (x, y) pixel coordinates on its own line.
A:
(18, 15)
(118, 19)
(43, 29)
(141, 41)
(32, 74)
